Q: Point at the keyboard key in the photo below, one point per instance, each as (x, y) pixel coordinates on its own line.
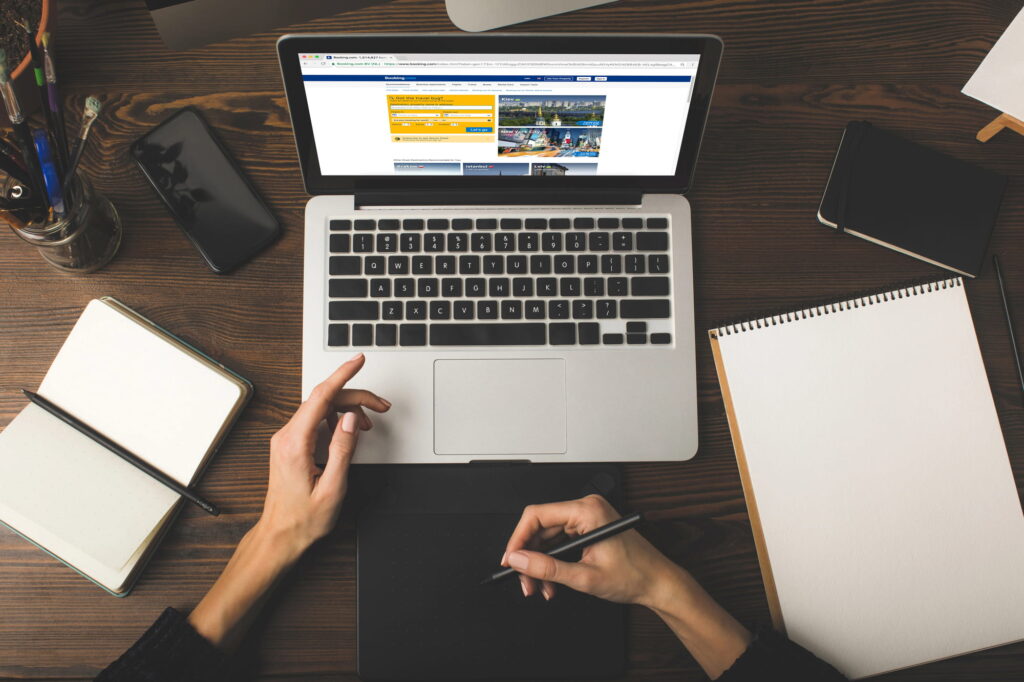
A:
(606, 309)
(559, 223)
(535, 310)
(652, 241)
(412, 224)
(657, 223)
(481, 241)
(444, 265)
(386, 334)
(528, 241)
(586, 264)
(536, 223)
(511, 309)
(547, 286)
(636, 327)
(345, 265)
(498, 287)
(635, 264)
(650, 286)
(565, 264)
(426, 287)
(437, 224)
(569, 286)
(657, 263)
(362, 335)
(598, 241)
(387, 224)
(661, 339)
(433, 243)
(589, 333)
(374, 265)
(558, 309)
(500, 334)
(583, 223)
(612, 339)
(636, 339)
(632, 223)
(486, 223)
(486, 310)
(347, 288)
(593, 286)
(416, 310)
(582, 309)
(611, 264)
(366, 224)
(440, 310)
(462, 224)
(410, 242)
(380, 288)
(552, 241)
(540, 265)
(412, 335)
(422, 265)
(622, 241)
(511, 224)
(337, 335)
(516, 265)
(618, 286)
(639, 309)
(451, 287)
(340, 225)
(463, 310)
(562, 334)
(575, 241)
(354, 310)
(505, 242)
(494, 265)
(469, 265)
(341, 243)
(457, 242)
(398, 265)
(405, 287)
(390, 310)
(476, 287)
(362, 243)
(608, 223)
(522, 287)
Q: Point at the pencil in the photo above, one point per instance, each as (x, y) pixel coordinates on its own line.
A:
(1009, 320)
(121, 452)
(586, 540)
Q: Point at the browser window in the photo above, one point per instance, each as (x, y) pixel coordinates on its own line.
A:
(498, 114)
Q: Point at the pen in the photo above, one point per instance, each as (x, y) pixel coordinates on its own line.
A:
(1009, 320)
(89, 116)
(51, 177)
(585, 540)
(39, 73)
(124, 454)
(21, 134)
(50, 67)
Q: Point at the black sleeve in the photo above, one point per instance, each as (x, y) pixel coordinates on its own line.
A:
(773, 657)
(170, 651)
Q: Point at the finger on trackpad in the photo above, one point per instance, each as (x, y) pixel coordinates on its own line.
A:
(499, 407)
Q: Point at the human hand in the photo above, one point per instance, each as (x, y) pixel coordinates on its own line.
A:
(303, 500)
(625, 568)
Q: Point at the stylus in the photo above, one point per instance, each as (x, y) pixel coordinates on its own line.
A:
(585, 540)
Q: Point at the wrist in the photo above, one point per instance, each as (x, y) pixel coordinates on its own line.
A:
(669, 588)
(278, 548)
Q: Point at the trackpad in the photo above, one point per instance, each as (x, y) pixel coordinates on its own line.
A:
(499, 407)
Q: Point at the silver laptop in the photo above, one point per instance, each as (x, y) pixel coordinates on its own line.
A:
(499, 224)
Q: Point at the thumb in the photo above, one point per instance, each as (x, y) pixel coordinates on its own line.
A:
(339, 452)
(543, 567)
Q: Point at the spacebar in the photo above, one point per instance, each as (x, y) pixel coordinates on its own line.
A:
(512, 334)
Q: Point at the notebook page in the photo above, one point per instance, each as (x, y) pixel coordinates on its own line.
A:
(141, 391)
(74, 497)
(886, 500)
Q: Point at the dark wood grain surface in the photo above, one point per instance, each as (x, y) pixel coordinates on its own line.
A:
(793, 74)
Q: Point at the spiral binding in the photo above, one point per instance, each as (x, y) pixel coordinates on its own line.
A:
(829, 307)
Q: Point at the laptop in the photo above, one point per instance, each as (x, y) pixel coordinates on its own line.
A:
(499, 223)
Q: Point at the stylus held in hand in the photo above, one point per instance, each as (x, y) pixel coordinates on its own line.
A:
(585, 540)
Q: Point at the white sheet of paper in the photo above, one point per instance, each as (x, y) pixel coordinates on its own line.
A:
(887, 503)
(999, 80)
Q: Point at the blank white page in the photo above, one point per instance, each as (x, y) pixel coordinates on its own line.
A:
(877, 465)
(999, 80)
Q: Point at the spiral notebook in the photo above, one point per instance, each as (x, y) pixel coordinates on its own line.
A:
(886, 519)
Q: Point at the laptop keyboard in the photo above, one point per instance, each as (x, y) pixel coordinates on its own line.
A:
(511, 281)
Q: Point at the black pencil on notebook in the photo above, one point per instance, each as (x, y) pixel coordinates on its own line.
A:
(1009, 319)
(121, 452)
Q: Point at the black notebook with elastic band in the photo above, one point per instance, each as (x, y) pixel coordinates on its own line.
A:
(911, 199)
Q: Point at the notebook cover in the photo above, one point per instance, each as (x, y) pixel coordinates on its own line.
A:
(912, 199)
(426, 538)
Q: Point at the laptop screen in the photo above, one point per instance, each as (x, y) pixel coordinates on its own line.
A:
(498, 114)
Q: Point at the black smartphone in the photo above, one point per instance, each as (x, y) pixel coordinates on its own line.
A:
(205, 191)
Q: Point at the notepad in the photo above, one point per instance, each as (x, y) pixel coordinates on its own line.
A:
(885, 514)
(143, 388)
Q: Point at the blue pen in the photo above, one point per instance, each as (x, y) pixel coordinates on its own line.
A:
(50, 177)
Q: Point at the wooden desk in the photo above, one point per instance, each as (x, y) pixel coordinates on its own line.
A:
(793, 74)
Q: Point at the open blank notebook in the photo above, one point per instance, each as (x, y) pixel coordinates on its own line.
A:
(148, 391)
(884, 510)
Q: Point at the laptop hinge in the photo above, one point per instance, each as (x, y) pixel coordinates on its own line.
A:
(503, 198)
